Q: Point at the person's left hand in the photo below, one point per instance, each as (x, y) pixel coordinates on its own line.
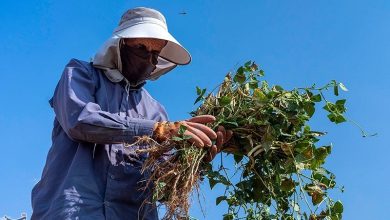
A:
(223, 136)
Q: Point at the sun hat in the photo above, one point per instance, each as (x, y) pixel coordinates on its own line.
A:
(149, 23)
(141, 22)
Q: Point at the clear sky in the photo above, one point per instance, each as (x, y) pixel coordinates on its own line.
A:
(297, 43)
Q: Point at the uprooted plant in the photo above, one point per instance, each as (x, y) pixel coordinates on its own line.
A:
(278, 167)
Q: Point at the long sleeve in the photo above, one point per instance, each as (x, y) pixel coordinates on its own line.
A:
(82, 119)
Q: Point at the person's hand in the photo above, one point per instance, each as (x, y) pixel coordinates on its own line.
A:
(201, 135)
(223, 136)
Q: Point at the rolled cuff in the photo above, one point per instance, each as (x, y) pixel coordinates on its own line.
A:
(104, 135)
(143, 127)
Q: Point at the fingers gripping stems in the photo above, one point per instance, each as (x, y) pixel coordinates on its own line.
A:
(223, 136)
(200, 134)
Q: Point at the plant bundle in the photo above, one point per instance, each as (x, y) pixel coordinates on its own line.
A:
(175, 170)
(278, 165)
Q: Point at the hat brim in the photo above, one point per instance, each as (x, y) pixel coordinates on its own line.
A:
(173, 51)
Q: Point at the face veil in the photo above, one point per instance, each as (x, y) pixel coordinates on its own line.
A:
(137, 63)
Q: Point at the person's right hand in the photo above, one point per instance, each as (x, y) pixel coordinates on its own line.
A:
(201, 135)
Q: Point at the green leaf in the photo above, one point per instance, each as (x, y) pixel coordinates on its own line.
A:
(238, 158)
(340, 102)
(301, 146)
(220, 199)
(211, 173)
(214, 178)
(306, 129)
(248, 63)
(240, 70)
(261, 72)
(212, 183)
(253, 84)
(181, 138)
(161, 184)
(336, 118)
(240, 76)
(330, 107)
(257, 93)
(311, 188)
(203, 92)
(233, 123)
(198, 90)
(254, 67)
(182, 129)
(186, 137)
(323, 151)
(245, 184)
(287, 185)
(175, 138)
(320, 155)
(198, 99)
(287, 217)
(320, 177)
(229, 216)
(309, 108)
(322, 171)
(340, 105)
(277, 88)
(317, 197)
(223, 180)
(306, 155)
(225, 100)
(316, 98)
(264, 86)
(338, 207)
(200, 93)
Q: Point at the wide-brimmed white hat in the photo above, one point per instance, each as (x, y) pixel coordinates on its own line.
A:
(141, 22)
(148, 23)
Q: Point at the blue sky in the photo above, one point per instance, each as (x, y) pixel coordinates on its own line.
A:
(297, 43)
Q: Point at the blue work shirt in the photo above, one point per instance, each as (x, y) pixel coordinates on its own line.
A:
(89, 173)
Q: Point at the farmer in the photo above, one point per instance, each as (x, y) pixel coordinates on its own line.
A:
(100, 106)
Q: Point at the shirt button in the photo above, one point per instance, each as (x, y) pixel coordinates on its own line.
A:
(106, 203)
(112, 176)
